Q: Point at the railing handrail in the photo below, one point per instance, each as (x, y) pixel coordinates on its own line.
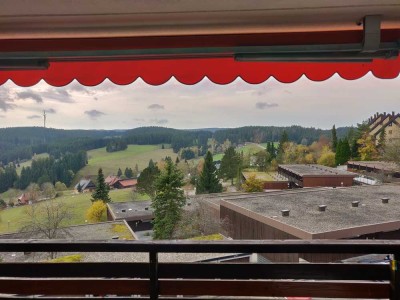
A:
(231, 246)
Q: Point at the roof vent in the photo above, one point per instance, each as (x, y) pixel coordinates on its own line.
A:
(385, 200)
(146, 208)
(322, 207)
(115, 237)
(123, 210)
(355, 203)
(285, 212)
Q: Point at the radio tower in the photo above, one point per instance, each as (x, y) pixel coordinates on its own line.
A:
(44, 119)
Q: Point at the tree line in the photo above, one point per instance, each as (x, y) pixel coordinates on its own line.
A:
(43, 170)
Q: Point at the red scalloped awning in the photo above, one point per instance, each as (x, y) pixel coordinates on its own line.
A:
(191, 71)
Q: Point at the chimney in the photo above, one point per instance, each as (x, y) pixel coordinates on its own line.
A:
(385, 200)
(322, 207)
(355, 203)
(123, 210)
(285, 212)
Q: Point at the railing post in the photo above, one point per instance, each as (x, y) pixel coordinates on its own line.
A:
(153, 274)
(395, 277)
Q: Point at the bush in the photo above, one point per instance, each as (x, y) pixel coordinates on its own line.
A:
(3, 204)
(59, 186)
(97, 212)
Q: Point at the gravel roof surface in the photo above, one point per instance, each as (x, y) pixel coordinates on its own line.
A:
(315, 170)
(382, 165)
(339, 214)
(132, 210)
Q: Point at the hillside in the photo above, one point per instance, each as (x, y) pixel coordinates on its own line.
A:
(135, 154)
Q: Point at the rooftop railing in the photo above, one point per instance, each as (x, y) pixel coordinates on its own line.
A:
(157, 280)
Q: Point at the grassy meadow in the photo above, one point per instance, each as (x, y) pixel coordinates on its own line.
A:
(28, 163)
(135, 154)
(12, 219)
(252, 148)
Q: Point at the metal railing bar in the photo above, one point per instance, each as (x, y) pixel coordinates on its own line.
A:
(232, 246)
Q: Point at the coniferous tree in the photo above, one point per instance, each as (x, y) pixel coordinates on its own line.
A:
(128, 172)
(146, 180)
(136, 171)
(346, 151)
(229, 164)
(339, 152)
(101, 192)
(334, 139)
(168, 202)
(281, 148)
(177, 160)
(208, 181)
(119, 173)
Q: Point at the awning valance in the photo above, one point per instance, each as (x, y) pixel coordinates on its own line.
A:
(191, 71)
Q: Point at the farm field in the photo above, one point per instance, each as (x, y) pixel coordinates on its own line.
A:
(135, 154)
(12, 219)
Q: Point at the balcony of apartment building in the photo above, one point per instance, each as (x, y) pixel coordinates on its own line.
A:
(214, 280)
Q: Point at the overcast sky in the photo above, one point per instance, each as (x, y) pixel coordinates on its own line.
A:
(204, 105)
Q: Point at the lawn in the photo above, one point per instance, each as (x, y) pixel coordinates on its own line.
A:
(12, 219)
(135, 154)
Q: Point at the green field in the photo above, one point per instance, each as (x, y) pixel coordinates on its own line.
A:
(249, 148)
(276, 144)
(135, 154)
(28, 163)
(12, 219)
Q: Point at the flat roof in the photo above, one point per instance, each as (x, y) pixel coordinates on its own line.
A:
(97, 231)
(340, 220)
(316, 171)
(381, 165)
(265, 176)
(131, 211)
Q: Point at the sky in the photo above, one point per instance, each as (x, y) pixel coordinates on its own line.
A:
(204, 105)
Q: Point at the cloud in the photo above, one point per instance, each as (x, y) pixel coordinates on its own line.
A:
(263, 105)
(138, 119)
(30, 95)
(94, 114)
(155, 106)
(59, 95)
(34, 117)
(159, 121)
(1, 116)
(5, 105)
(51, 111)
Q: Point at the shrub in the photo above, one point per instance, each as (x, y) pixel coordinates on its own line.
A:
(96, 212)
(2, 204)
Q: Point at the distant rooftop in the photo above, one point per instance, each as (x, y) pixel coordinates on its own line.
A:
(380, 165)
(264, 176)
(315, 170)
(131, 211)
(340, 220)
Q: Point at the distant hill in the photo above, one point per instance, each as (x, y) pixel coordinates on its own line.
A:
(22, 142)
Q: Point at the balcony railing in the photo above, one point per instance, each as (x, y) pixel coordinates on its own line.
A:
(153, 280)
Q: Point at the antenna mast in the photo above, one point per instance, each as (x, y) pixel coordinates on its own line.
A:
(44, 119)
